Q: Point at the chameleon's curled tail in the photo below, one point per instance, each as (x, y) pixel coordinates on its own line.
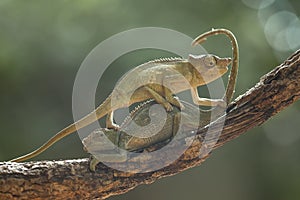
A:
(99, 112)
(235, 58)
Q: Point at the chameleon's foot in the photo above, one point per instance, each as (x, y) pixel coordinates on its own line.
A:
(210, 102)
(178, 104)
(168, 107)
(93, 163)
(175, 101)
(113, 126)
(219, 102)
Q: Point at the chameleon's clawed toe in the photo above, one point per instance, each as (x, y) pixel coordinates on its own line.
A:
(221, 103)
(168, 107)
(181, 107)
(113, 126)
(177, 103)
(93, 162)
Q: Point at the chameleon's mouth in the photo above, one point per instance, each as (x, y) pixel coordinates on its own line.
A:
(224, 62)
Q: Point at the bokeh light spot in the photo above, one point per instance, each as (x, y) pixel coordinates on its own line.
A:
(293, 35)
(258, 4)
(276, 29)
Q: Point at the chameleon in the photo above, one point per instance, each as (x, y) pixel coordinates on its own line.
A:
(98, 147)
(103, 150)
(197, 70)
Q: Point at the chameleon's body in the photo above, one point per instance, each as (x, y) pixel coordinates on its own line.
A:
(158, 80)
(105, 150)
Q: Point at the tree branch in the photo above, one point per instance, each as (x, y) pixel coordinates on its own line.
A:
(71, 179)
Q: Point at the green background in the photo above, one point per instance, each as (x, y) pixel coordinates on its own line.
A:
(42, 44)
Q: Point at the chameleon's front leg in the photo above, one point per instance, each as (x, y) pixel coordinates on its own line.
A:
(165, 101)
(205, 101)
(159, 99)
(172, 99)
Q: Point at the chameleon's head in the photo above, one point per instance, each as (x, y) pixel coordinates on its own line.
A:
(210, 66)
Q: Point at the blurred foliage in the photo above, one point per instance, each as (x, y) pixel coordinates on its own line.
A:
(42, 44)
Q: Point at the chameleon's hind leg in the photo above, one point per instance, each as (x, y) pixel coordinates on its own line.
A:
(159, 99)
(110, 121)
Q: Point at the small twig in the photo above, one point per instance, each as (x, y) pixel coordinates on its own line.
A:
(71, 179)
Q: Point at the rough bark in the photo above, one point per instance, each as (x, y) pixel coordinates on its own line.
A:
(71, 179)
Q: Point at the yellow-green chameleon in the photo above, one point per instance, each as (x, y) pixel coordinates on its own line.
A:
(173, 72)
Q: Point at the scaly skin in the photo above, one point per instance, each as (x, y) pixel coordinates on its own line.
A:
(158, 80)
(102, 143)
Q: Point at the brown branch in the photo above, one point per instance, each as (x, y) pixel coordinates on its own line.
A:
(71, 179)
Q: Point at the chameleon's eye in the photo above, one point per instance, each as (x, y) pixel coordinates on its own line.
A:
(210, 61)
